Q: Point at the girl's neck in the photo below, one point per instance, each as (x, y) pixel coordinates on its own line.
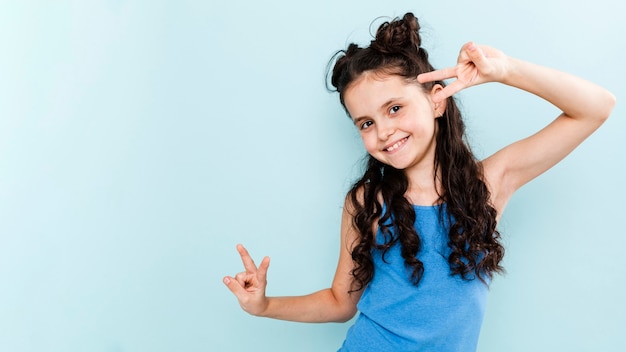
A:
(423, 188)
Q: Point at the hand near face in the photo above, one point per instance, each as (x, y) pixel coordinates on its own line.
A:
(249, 286)
(475, 65)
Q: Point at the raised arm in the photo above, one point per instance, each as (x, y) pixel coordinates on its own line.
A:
(584, 105)
(332, 304)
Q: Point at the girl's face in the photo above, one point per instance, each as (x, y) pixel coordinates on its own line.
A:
(396, 120)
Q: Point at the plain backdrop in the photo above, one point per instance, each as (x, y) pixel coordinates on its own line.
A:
(140, 141)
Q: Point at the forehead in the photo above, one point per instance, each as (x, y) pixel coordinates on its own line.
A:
(371, 92)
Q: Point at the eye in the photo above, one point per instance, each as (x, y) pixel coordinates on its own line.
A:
(366, 124)
(394, 109)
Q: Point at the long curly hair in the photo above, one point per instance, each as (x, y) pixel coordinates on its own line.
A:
(473, 238)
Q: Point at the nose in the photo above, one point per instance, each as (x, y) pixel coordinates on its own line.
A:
(386, 129)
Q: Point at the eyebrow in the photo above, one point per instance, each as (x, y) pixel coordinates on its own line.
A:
(383, 106)
(359, 119)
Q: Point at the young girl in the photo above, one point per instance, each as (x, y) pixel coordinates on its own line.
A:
(419, 243)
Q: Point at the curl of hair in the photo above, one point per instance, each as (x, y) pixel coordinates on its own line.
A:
(474, 241)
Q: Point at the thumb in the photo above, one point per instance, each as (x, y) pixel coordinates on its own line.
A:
(233, 286)
(475, 53)
(262, 271)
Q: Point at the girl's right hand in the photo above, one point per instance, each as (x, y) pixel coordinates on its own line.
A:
(249, 286)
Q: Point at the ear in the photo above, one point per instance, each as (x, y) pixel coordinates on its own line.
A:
(440, 107)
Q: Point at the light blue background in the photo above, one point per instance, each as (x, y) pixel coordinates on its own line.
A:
(141, 140)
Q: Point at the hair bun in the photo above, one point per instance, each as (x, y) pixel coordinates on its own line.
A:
(399, 35)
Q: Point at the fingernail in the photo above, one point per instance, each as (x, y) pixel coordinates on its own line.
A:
(226, 280)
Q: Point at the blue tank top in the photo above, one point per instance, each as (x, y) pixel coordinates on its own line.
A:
(443, 313)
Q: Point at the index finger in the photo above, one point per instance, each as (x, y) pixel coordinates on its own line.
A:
(437, 75)
(248, 263)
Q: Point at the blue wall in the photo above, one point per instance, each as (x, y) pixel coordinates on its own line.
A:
(141, 140)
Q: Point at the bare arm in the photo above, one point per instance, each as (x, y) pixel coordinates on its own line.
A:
(332, 304)
(584, 105)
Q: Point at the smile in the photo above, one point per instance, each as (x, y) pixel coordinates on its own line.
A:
(396, 145)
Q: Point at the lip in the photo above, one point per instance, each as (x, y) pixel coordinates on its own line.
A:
(396, 145)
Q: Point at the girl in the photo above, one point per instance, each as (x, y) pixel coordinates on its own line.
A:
(419, 243)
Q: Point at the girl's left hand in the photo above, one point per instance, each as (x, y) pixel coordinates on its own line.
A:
(475, 65)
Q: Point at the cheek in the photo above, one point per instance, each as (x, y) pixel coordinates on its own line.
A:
(369, 142)
(423, 129)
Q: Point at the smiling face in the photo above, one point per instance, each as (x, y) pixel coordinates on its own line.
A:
(396, 120)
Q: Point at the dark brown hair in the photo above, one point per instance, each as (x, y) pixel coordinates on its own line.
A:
(473, 237)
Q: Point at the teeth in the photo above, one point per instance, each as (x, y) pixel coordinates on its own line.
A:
(395, 146)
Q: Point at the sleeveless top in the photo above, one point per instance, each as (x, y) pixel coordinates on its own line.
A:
(443, 313)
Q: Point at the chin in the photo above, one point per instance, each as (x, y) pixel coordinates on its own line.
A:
(398, 166)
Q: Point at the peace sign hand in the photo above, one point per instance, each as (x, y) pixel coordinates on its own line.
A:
(249, 286)
(475, 65)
